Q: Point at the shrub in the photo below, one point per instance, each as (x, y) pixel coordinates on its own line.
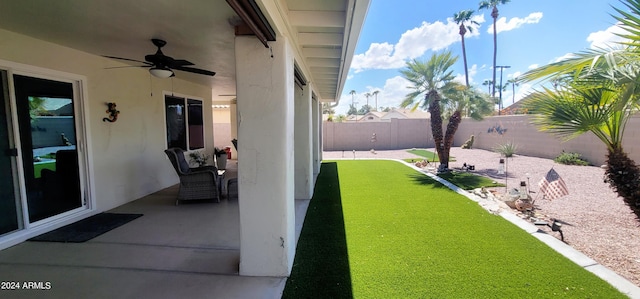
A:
(571, 159)
(506, 149)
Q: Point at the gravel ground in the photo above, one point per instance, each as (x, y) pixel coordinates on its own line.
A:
(597, 222)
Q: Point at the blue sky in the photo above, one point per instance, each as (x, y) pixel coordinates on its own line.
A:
(530, 33)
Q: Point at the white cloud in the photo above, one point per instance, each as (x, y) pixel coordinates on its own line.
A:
(391, 95)
(472, 72)
(503, 25)
(412, 44)
(606, 38)
(534, 66)
(563, 57)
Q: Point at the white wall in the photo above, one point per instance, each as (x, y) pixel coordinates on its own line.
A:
(127, 156)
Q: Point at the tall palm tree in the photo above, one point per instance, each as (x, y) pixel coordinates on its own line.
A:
(514, 83)
(375, 93)
(462, 17)
(367, 95)
(488, 83)
(430, 78)
(493, 4)
(597, 91)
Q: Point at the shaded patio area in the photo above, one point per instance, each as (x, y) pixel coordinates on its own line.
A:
(186, 251)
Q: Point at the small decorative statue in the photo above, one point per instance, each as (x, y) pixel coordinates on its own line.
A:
(113, 113)
(469, 143)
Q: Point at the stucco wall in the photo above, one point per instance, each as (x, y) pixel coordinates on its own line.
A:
(409, 133)
(394, 134)
(126, 156)
(532, 142)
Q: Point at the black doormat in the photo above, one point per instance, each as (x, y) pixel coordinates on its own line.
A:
(86, 229)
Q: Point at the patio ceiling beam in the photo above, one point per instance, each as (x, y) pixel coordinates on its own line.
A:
(325, 39)
(330, 19)
(253, 17)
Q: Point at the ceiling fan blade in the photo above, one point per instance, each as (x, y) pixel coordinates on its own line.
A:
(179, 62)
(195, 70)
(122, 67)
(126, 59)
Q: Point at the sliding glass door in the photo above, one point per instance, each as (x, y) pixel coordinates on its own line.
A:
(46, 122)
(9, 199)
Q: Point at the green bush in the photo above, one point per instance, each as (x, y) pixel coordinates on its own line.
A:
(506, 149)
(571, 159)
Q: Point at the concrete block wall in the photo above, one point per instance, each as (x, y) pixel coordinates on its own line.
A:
(410, 133)
(395, 134)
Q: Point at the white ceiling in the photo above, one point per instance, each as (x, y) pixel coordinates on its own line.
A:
(200, 31)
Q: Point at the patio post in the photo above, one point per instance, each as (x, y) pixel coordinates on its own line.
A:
(265, 103)
(303, 143)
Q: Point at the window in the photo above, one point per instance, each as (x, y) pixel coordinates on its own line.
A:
(184, 120)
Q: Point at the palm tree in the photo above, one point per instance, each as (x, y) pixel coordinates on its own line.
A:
(431, 78)
(597, 91)
(488, 83)
(463, 101)
(514, 83)
(461, 18)
(367, 95)
(493, 4)
(375, 93)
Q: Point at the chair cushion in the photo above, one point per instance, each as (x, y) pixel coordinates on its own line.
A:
(182, 162)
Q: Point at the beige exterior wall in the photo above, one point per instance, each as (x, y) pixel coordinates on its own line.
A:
(532, 142)
(222, 128)
(127, 156)
(394, 134)
(409, 133)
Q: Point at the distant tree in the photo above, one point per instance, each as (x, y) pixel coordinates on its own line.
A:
(488, 83)
(375, 93)
(352, 110)
(493, 4)
(326, 109)
(386, 109)
(514, 83)
(340, 118)
(364, 109)
(461, 18)
(367, 95)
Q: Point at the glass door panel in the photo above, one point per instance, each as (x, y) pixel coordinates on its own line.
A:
(9, 212)
(48, 146)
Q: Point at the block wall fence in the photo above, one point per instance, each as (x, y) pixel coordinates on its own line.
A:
(492, 131)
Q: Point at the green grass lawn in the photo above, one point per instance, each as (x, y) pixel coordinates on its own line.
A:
(428, 155)
(469, 181)
(37, 168)
(378, 229)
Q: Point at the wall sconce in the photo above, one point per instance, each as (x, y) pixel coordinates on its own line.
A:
(113, 113)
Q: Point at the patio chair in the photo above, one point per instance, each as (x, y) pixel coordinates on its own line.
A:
(195, 183)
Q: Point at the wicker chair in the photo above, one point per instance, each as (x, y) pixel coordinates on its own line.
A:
(195, 183)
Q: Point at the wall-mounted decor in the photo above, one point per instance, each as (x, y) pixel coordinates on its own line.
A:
(113, 113)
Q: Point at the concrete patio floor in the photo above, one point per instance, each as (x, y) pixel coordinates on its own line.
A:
(186, 251)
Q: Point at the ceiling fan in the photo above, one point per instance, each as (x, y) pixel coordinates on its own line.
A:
(162, 66)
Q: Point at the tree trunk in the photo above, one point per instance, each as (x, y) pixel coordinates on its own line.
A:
(436, 123)
(463, 31)
(623, 175)
(494, 15)
(452, 127)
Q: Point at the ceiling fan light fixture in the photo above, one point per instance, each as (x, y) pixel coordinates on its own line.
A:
(161, 72)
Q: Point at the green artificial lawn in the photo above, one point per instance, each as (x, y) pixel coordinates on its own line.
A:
(428, 155)
(37, 168)
(468, 181)
(378, 229)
